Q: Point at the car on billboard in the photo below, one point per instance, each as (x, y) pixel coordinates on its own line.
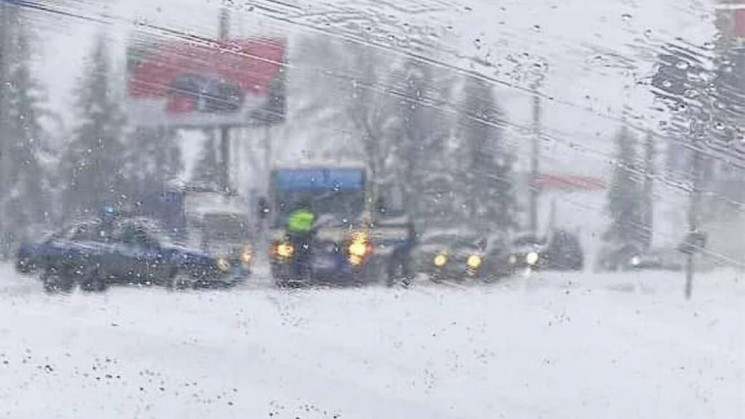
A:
(202, 93)
(206, 84)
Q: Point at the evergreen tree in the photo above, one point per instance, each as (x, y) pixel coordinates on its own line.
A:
(420, 136)
(152, 159)
(94, 160)
(486, 171)
(24, 201)
(649, 172)
(625, 197)
(206, 173)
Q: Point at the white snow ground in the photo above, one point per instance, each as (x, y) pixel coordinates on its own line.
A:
(554, 346)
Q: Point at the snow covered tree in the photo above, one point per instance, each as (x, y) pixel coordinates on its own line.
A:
(24, 202)
(625, 197)
(650, 156)
(206, 171)
(486, 169)
(93, 162)
(420, 138)
(369, 109)
(152, 159)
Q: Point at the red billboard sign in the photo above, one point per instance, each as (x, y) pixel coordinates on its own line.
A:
(205, 84)
(546, 181)
(740, 22)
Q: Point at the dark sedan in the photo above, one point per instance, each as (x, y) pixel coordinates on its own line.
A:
(451, 256)
(560, 250)
(96, 255)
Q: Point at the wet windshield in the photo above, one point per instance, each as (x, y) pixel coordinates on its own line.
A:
(339, 206)
(372, 209)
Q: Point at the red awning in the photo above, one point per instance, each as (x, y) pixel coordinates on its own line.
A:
(569, 182)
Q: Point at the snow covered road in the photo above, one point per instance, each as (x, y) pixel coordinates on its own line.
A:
(554, 346)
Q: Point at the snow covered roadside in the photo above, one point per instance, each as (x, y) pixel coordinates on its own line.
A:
(554, 346)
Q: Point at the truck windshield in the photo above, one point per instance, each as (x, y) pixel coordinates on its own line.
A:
(341, 205)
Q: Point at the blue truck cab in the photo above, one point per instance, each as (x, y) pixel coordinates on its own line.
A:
(352, 241)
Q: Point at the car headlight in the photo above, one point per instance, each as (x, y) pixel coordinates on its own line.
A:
(440, 260)
(246, 256)
(359, 248)
(223, 263)
(531, 258)
(636, 260)
(513, 259)
(285, 250)
(473, 262)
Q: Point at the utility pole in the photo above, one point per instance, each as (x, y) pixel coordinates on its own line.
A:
(224, 165)
(649, 173)
(534, 159)
(694, 208)
(3, 60)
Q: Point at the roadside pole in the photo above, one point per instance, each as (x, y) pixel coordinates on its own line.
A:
(534, 161)
(693, 210)
(224, 165)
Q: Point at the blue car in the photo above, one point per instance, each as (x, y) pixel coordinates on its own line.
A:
(95, 255)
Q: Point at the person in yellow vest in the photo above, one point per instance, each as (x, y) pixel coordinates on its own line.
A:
(301, 220)
(300, 225)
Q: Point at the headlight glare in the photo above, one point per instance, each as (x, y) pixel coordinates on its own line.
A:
(473, 262)
(440, 260)
(223, 264)
(285, 250)
(246, 256)
(531, 258)
(359, 248)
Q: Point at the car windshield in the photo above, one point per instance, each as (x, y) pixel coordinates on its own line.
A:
(372, 209)
(528, 240)
(227, 228)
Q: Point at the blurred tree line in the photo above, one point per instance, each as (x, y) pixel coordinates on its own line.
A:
(102, 160)
(432, 131)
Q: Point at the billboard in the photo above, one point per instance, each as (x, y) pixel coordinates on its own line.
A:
(185, 83)
(730, 23)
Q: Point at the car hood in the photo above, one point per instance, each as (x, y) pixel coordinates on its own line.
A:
(186, 251)
(455, 251)
(527, 248)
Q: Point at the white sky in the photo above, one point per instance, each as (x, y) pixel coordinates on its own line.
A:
(596, 52)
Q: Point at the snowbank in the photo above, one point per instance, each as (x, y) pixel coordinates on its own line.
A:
(552, 346)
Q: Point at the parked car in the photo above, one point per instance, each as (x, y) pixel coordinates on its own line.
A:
(559, 250)
(95, 255)
(459, 254)
(31, 256)
(634, 257)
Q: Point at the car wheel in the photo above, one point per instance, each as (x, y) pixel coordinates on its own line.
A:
(397, 274)
(25, 266)
(180, 283)
(93, 281)
(57, 281)
(175, 281)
